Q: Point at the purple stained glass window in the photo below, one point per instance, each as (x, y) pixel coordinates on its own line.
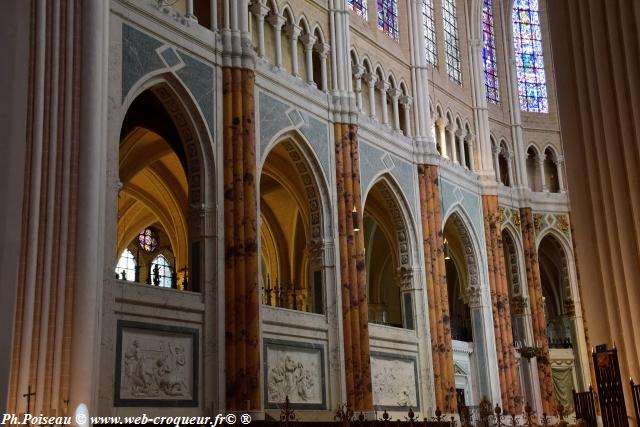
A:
(429, 28)
(451, 42)
(148, 239)
(388, 18)
(359, 7)
(527, 39)
(489, 54)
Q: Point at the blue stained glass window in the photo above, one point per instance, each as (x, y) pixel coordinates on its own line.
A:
(527, 39)
(388, 18)
(359, 7)
(429, 27)
(451, 42)
(489, 54)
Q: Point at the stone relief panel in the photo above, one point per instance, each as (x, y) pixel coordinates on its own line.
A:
(395, 382)
(294, 370)
(156, 365)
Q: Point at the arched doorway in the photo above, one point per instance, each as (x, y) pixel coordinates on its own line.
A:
(291, 231)
(463, 298)
(152, 229)
(520, 318)
(559, 311)
(387, 258)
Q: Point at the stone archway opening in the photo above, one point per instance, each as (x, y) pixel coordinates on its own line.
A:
(387, 259)
(463, 301)
(153, 202)
(290, 231)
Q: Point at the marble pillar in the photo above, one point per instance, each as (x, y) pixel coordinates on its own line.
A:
(437, 294)
(507, 365)
(242, 324)
(355, 312)
(534, 286)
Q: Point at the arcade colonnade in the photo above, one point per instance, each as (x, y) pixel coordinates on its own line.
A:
(209, 78)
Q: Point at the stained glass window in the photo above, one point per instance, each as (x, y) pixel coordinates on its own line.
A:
(451, 42)
(148, 239)
(388, 18)
(126, 268)
(489, 54)
(359, 7)
(527, 39)
(429, 27)
(161, 272)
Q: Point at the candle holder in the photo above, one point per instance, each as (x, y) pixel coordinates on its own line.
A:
(528, 352)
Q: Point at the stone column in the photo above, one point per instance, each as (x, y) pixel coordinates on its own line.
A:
(600, 123)
(189, 11)
(355, 312)
(309, 42)
(238, 170)
(460, 135)
(442, 137)
(479, 326)
(495, 149)
(510, 168)
(559, 162)
(277, 21)
(406, 102)
(534, 286)
(468, 140)
(323, 50)
(543, 178)
(508, 369)
(451, 143)
(293, 31)
(382, 86)
(437, 294)
(242, 303)
(358, 72)
(260, 11)
(371, 80)
(395, 93)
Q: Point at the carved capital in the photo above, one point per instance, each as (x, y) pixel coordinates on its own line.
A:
(382, 85)
(292, 30)
(322, 49)
(406, 101)
(309, 41)
(259, 9)
(370, 78)
(357, 70)
(276, 20)
(394, 93)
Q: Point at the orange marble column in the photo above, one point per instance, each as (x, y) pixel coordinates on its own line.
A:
(355, 311)
(437, 294)
(537, 309)
(240, 222)
(509, 377)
